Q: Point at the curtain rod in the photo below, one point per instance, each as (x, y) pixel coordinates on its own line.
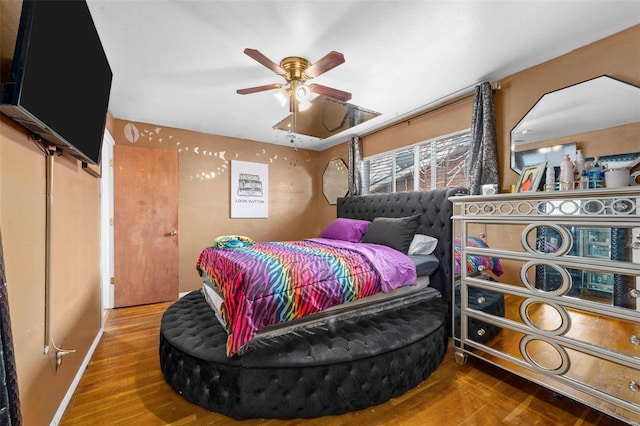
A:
(436, 105)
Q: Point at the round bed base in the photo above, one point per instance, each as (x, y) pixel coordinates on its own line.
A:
(325, 370)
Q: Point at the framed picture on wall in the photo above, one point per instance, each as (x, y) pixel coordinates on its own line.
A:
(249, 189)
(531, 177)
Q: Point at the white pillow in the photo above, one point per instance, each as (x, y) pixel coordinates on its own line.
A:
(422, 244)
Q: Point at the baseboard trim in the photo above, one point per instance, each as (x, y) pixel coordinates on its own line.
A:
(72, 388)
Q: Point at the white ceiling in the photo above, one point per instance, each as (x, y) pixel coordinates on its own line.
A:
(179, 63)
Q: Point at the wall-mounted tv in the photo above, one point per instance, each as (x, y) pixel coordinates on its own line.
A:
(61, 78)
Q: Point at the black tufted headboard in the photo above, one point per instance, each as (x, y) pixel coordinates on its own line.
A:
(436, 211)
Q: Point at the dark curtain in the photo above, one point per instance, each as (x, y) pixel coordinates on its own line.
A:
(9, 400)
(355, 162)
(484, 146)
(619, 243)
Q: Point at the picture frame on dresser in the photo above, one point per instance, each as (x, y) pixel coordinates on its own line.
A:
(531, 177)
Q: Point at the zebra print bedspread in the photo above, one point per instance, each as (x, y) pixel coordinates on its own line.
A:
(275, 282)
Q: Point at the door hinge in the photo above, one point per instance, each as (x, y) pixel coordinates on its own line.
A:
(112, 280)
(111, 221)
(111, 163)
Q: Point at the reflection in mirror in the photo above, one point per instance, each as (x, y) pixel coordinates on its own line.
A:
(561, 285)
(551, 154)
(335, 180)
(587, 284)
(589, 107)
(326, 117)
(544, 316)
(543, 239)
(546, 356)
(591, 245)
(547, 360)
(573, 323)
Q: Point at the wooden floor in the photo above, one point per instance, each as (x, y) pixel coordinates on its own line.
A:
(123, 385)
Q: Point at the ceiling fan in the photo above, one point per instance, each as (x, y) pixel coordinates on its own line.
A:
(296, 71)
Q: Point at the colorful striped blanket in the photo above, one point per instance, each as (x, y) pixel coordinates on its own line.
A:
(476, 263)
(274, 282)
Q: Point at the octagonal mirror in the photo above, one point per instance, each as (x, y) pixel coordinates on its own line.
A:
(335, 180)
(593, 105)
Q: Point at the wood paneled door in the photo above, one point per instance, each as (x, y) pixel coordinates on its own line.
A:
(145, 225)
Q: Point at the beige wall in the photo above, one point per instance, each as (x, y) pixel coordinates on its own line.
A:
(616, 56)
(204, 204)
(75, 278)
(327, 212)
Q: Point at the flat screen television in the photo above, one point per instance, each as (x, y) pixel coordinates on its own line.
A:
(61, 78)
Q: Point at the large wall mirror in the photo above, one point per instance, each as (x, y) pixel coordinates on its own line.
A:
(597, 115)
(335, 180)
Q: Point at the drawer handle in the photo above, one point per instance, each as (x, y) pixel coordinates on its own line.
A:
(635, 245)
(481, 300)
(633, 386)
(635, 340)
(634, 293)
(481, 332)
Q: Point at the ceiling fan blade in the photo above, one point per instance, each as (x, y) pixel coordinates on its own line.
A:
(258, 89)
(324, 64)
(330, 92)
(258, 56)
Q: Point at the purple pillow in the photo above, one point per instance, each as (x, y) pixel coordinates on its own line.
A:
(344, 229)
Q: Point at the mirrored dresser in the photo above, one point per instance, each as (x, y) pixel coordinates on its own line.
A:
(570, 281)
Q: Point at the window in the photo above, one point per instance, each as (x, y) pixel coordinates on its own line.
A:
(437, 163)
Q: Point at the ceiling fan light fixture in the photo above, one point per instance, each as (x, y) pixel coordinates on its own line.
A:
(303, 93)
(282, 96)
(296, 71)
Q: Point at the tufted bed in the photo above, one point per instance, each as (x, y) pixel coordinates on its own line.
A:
(334, 361)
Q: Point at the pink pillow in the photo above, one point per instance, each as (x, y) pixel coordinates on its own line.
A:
(346, 230)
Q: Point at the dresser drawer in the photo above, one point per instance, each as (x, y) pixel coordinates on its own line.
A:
(561, 237)
(566, 281)
(487, 301)
(553, 318)
(562, 366)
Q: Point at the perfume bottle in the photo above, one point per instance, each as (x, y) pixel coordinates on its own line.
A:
(579, 162)
(566, 173)
(578, 168)
(550, 179)
(595, 174)
(584, 180)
